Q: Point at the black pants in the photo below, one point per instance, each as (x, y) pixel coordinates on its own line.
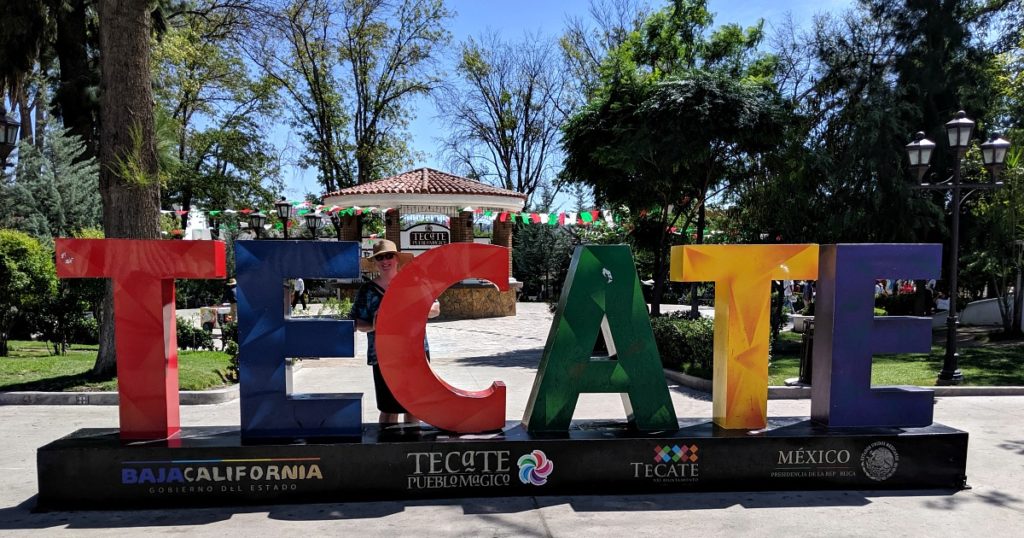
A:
(297, 297)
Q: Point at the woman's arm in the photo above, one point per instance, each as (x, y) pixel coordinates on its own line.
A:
(361, 313)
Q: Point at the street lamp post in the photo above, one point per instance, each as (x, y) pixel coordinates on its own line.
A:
(336, 222)
(958, 135)
(284, 212)
(1018, 293)
(8, 136)
(256, 222)
(314, 222)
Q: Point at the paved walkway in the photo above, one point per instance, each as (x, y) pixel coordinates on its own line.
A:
(509, 349)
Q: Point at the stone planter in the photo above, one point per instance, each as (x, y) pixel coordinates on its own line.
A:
(798, 322)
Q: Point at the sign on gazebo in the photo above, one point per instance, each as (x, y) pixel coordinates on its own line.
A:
(425, 236)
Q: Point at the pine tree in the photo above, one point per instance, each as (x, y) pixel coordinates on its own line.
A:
(55, 194)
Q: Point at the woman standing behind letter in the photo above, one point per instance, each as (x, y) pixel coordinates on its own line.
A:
(364, 312)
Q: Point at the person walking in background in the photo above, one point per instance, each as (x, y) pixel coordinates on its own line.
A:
(787, 295)
(808, 292)
(231, 297)
(298, 293)
(808, 297)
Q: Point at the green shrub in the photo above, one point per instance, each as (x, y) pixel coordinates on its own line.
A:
(229, 332)
(669, 342)
(685, 344)
(808, 309)
(192, 337)
(28, 283)
(230, 375)
(335, 308)
(86, 331)
(896, 305)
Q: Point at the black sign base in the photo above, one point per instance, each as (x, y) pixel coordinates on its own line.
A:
(210, 466)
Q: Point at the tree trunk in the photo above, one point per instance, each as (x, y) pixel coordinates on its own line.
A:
(776, 305)
(659, 264)
(25, 113)
(40, 112)
(1005, 306)
(131, 205)
(186, 205)
(694, 299)
(73, 98)
(1018, 305)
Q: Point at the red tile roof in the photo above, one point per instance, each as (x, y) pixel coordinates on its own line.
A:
(427, 181)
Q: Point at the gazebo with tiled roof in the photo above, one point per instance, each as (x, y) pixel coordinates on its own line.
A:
(426, 188)
(429, 191)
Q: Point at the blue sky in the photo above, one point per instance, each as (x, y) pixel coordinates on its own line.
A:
(514, 18)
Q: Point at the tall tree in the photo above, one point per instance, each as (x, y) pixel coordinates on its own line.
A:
(34, 34)
(681, 109)
(585, 44)
(505, 112)
(350, 70)
(541, 256)
(995, 255)
(663, 146)
(55, 193)
(220, 111)
(863, 82)
(129, 182)
(389, 47)
(297, 48)
(76, 46)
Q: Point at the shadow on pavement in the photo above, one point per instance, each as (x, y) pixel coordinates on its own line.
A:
(690, 393)
(520, 358)
(59, 383)
(339, 511)
(1015, 446)
(21, 518)
(994, 498)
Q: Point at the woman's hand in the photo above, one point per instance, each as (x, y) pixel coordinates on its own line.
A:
(435, 310)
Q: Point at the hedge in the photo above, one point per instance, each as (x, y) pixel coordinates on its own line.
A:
(685, 344)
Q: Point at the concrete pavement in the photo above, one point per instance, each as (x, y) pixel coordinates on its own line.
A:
(470, 355)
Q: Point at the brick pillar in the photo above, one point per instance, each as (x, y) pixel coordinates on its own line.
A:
(465, 224)
(501, 235)
(458, 227)
(455, 227)
(393, 227)
(350, 228)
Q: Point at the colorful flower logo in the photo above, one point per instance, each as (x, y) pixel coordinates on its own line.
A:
(534, 468)
(675, 453)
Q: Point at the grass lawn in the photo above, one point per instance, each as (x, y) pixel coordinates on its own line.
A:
(31, 366)
(983, 364)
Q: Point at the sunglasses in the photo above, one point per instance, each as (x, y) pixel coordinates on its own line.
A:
(386, 256)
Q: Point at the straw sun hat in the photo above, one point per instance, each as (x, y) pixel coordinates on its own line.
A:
(384, 246)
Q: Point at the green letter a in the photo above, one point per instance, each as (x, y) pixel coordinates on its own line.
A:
(601, 293)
